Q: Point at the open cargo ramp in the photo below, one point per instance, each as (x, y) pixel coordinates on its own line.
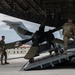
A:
(49, 60)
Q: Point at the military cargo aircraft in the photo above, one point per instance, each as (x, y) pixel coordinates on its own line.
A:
(27, 34)
(35, 50)
(57, 21)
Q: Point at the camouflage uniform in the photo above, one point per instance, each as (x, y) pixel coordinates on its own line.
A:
(68, 33)
(3, 52)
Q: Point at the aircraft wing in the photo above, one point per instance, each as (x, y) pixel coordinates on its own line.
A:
(16, 44)
(10, 45)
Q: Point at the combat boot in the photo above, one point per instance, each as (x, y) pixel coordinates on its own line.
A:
(6, 63)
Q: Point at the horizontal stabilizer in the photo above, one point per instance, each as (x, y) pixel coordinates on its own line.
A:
(19, 27)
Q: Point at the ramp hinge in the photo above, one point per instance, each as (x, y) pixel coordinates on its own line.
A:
(67, 58)
(59, 61)
(41, 66)
(52, 64)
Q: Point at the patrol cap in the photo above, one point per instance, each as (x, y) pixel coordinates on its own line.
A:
(3, 36)
(70, 18)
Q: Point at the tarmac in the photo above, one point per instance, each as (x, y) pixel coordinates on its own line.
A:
(17, 61)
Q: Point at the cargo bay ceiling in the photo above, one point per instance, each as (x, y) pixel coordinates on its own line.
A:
(37, 10)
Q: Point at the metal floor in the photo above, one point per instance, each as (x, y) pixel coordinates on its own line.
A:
(49, 60)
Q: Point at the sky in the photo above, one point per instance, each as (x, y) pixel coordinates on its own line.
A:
(11, 35)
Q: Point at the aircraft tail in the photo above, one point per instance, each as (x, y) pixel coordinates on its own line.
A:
(19, 27)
